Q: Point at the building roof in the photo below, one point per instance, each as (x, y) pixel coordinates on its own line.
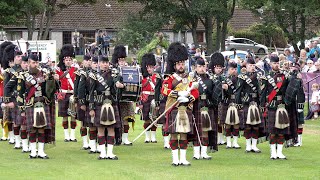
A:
(110, 14)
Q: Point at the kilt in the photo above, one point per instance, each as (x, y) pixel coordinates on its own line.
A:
(162, 120)
(30, 120)
(51, 131)
(146, 108)
(171, 125)
(270, 124)
(118, 123)
(126, 110)
(63, 106)
(1, 111)
(197, 117)
(15, 115)
(222, 113)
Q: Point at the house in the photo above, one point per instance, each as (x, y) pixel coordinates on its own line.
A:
(107, 15)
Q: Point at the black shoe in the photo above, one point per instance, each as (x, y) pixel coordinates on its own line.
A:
(66, 140)
(236, 147)
(92, 152)
(75, 140)
(113, 158)
(11, 142)
(175, 164)
(256, 151)
(146, 141)
(17, 147)
(248, 151)
(208, 158)
(102, 158)
(85, 148)
(43, 157)
(153, 141)
(32, 157)
(196, 158)
(166, 147)
(3, 139)
(184, 164)
(25, 151)
(228, 147)
(130, 144)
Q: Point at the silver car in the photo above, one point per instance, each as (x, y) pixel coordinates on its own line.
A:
(245, 44)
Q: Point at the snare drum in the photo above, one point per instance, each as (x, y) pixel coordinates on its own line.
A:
(132, 78)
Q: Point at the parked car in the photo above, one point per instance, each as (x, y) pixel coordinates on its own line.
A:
(245, 44)
(239, 53)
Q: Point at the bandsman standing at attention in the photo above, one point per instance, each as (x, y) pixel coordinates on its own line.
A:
(65, 74)
(181, 91)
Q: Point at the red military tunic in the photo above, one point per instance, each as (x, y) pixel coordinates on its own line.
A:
(147, 95)
(67, 80)
(170, 88)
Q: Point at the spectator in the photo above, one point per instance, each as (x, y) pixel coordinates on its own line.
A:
(198, 53)
(303, 54)
(317, 65)
(288, 55)
(304, 68)
(315, 100)
(311, 67)
(75, 64)
(81, 44)
(100, 41)
(314, 49)
(107, 40)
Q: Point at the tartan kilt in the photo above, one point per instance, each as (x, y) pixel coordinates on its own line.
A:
(171, 125)
(63, 106)
(146, 108)
(15, 115)
(127, 110)
(270, 124)
(118, 123)
(222, 113)
(30, 120)
(197, 118)
(162, 108)
(50, 132)
(1, 111)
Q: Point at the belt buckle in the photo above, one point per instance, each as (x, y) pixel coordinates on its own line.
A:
(203, 96)
(38, 94)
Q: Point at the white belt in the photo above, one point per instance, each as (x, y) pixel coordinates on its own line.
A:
(66, 91)
(148, 92)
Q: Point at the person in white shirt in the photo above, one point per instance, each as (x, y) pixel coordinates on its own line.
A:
(315, 100)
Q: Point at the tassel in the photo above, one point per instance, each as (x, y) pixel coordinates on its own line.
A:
(182, 121)
(257, 114)
(42, 119)
(252, 118)
(281, 117)
(104, 114)
(286, 117)
(39, 117)
(232, 116)
(206, 121)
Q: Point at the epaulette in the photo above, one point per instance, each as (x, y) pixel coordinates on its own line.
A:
(16, 74)
(263, 77)
(7, 70)
(77, 72)
(93, 76)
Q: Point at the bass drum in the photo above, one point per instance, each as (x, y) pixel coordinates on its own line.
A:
(132, 78)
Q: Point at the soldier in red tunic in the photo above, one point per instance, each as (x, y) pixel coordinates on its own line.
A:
(65, 74)
(148, 94)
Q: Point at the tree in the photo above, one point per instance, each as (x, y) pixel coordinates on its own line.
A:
(296, 18)
(9, 12)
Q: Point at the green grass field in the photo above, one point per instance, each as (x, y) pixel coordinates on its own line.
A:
(151, 161)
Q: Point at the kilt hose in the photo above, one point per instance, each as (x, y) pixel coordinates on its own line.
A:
(63, 106)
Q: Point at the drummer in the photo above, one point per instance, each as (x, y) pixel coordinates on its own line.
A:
(147, 98)
(126, 108)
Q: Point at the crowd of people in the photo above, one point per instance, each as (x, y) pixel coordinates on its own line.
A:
(207, 107)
